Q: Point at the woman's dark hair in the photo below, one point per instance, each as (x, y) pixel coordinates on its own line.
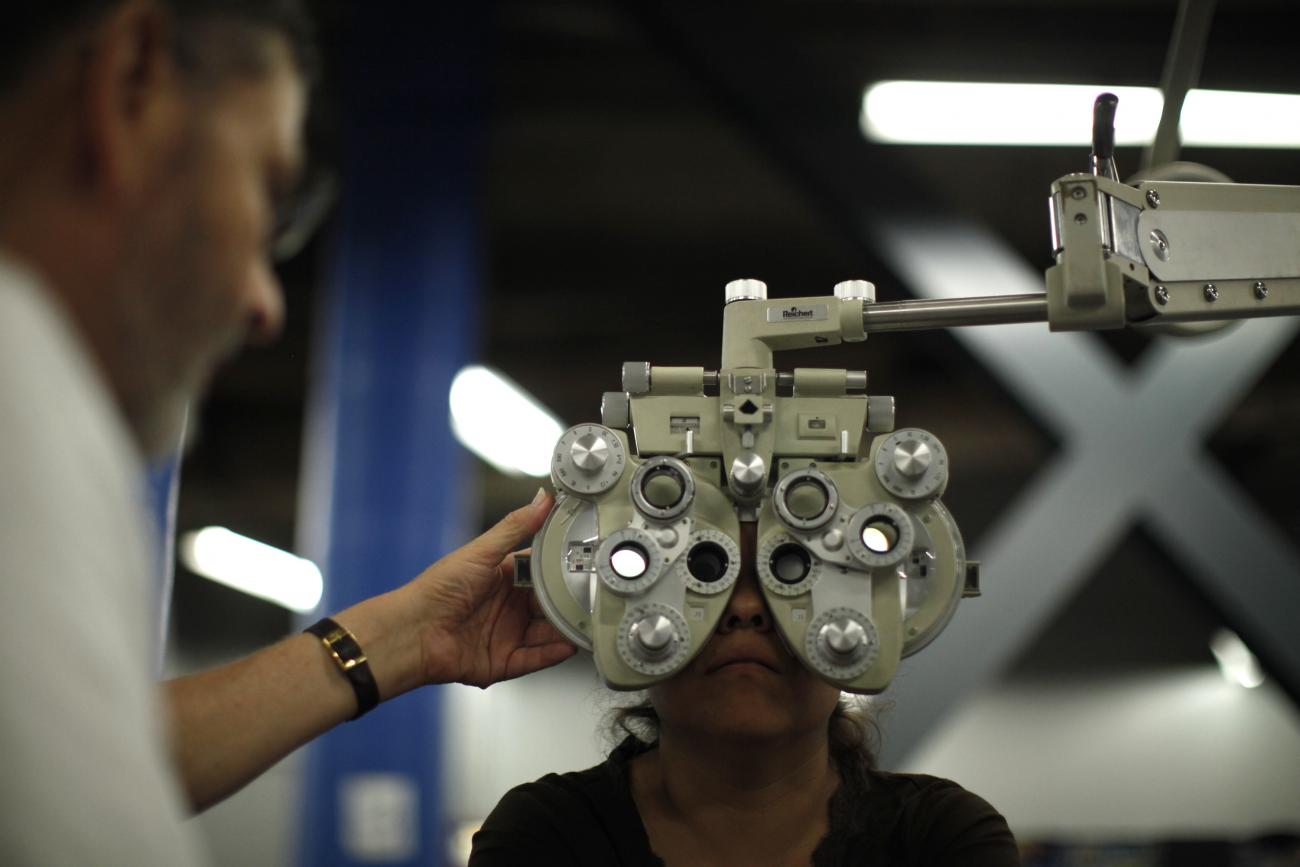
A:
(851, 732)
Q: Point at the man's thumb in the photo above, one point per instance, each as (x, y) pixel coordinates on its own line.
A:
(516, 528)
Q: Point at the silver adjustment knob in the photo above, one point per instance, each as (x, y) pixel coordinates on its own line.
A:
(850, 289)
(588, 460)
(841, 644)
(843, 637)
(912, 458)
(746, 290)
(653, 635)
(747, 473)
(615, 410)
(590, 452)
(912, 464)
(880, 413)
(654, 639)
(636, 377)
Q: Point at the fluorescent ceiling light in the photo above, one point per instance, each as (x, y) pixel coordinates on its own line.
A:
(1230, 118)
(969, 113)
(941, 112)
(501, 423)
(255, 568)
(1236, 662)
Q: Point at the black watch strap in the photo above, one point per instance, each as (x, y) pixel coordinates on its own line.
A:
(351, 660)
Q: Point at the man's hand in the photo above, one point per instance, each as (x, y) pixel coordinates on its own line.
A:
(480, 628)
(462, 619)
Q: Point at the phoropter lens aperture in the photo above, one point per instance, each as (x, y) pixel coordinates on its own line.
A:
(629, 561)
(790, 563)
(707, 562)
(879, 535)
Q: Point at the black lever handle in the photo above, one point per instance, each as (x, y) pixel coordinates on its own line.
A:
(1103, 135)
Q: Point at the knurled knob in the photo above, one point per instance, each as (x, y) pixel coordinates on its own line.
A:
(653, 634)
(912, 464)
(748, 473)
(636, 377)
(746, 290)
(912, 458)
(589, 452)
(615, 410)
(843, 636)
(862, 289)
(880, 413)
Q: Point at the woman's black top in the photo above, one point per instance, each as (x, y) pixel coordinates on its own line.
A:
(877, 819)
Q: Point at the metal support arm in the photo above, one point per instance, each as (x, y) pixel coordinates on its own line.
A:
(1159, 253)
(954, 313)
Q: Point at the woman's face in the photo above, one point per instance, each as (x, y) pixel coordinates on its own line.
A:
(744, 682)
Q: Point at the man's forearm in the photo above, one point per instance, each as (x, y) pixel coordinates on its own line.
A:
(232, 723)
(461, 619)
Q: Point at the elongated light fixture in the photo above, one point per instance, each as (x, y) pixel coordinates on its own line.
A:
(254, 567)
(970, 113)
(1237, 119)
(1236, 662)
(501, 423)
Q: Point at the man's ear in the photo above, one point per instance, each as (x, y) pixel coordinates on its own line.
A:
(131, 108)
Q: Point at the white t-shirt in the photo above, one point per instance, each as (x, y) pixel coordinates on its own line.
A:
(85, 778)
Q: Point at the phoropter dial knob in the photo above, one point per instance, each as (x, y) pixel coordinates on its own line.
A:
(841, 643)
(747, 289)
(589, 452)
(653, 635)
(912, 464)
(653, 639)
(748, 473)
(588, 459)
(856, 289)
(843, 638)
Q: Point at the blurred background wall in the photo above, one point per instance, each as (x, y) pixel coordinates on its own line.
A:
(632, 158)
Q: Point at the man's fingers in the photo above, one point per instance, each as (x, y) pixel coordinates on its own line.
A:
(516, 528)
(526, 660)
(535, 608)
(542, 631)
(506, 570)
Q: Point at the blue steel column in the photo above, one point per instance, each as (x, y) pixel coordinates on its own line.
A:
(382, 474)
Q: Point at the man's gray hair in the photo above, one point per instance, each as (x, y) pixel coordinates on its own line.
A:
(32, 28)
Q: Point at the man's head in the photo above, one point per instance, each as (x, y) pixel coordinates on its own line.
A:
(147, 144)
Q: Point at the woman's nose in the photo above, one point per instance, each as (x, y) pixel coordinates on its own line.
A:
(746, 609)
